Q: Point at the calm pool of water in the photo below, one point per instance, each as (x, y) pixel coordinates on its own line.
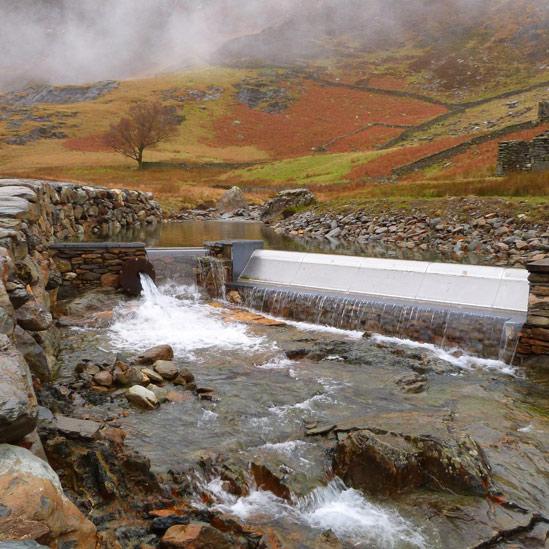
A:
(195, 233)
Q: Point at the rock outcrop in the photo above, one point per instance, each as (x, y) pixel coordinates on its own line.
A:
(232, 200)
(390, 463)
(285, 203)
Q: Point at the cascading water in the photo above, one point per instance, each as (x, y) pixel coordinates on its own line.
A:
(344, 511)
(212, 275)
(488, 335)
(176, 316)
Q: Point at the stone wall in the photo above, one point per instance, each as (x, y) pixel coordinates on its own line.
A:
(543, 111)
(523, 156)
(533, 346)
(33, 214)
(87, 265)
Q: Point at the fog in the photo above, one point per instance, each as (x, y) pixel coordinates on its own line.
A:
(74, 41)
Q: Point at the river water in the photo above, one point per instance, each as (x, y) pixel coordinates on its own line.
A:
(264, 402)
(195, 233)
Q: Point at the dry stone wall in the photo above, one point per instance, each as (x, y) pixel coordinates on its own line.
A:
(524, 156)
(87, 265)
(34, 213)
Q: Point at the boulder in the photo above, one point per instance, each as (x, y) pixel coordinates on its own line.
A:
(34, 505)
(32, 316)
(285, 203)
(166, 368)
(388, 463)
(143, 397)
(232, 200)
(160, 352)
(153, 376)
(184, 377)
(197, 535)
(265, 479)
(130, 376)
(18, 406)
(103, 378)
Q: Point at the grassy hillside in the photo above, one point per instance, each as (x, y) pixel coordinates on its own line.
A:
(339, 123)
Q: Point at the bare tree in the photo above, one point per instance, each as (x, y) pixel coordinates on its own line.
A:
(146, 124)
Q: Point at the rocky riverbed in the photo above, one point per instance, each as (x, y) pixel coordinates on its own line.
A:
(286, 435)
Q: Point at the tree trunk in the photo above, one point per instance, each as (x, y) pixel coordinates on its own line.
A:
(140, 160)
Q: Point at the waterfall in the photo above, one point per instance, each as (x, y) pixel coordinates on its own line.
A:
(212, 274)
(486, 334)
(176, 315)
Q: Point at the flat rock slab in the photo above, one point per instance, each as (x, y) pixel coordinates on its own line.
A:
(72, 427)
(13, 206)
(17, 191)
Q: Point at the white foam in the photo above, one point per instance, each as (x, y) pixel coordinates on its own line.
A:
(343, 510)
(351, 516)
(287, 448)
(174, 315)
(279, 362)
(453, 356)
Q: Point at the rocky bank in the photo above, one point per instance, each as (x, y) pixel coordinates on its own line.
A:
(494, 231)
(33, 214)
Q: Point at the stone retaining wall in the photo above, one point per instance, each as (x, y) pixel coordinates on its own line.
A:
(87, 265)
(34, 213)
(533, 346)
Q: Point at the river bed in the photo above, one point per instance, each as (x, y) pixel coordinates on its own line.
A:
(265, 402)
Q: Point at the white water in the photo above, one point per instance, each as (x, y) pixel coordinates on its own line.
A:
(343, 510)
(174, 315)
(454, 356)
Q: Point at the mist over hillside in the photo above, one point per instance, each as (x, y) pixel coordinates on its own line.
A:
(62, 41)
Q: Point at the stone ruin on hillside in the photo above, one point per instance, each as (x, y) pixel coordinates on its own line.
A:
(526, 156)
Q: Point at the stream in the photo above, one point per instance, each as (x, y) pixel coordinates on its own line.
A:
(265, 402)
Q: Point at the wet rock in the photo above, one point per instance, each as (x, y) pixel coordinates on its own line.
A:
(72, 427)
(234, 297)
(232, 200)
(205, 393)
(160, 352)
(412, 383)
(167, 369)
(130, 376)
(389, 463)
(153, 376)
(285, 203)
(184, 377)
(143, 397)
(103, 379)
(159, 525)
(18, 406)
(35, 505)
(196, 535)
(265, 479)
(32, 316)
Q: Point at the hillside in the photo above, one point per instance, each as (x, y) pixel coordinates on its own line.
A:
(340, 111)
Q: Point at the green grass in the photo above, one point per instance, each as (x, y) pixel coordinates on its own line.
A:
(316, 169)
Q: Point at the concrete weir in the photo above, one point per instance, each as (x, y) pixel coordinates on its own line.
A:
(477, 309)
